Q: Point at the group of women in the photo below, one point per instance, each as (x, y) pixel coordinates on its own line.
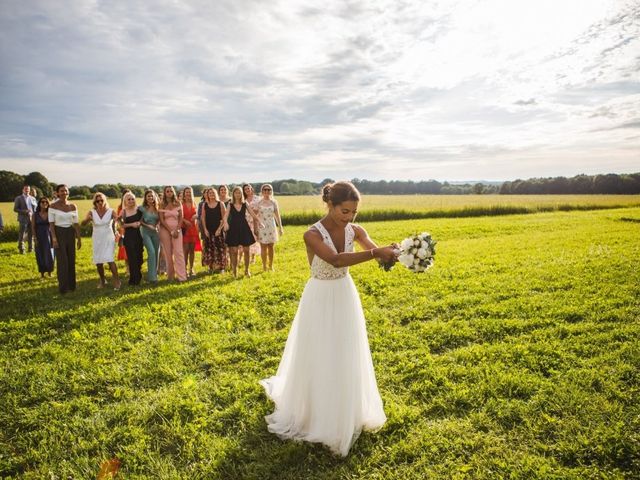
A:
(171, 228)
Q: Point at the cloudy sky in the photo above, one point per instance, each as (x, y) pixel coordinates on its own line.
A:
(171, 91)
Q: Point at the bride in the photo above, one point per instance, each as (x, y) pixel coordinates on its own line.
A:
(325, 388)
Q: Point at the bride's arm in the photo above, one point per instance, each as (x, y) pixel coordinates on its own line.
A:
(362, 238)
(313, 240)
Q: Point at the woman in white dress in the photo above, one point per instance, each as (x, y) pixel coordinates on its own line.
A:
(269, 214)
(103, 238)
(325, 388)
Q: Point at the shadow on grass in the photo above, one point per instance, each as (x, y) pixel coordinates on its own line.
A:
(39, 313)
(260, 454)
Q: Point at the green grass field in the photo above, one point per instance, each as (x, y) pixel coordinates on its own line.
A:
(516, 356)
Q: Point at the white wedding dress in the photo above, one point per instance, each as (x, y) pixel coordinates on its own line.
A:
(325, 389)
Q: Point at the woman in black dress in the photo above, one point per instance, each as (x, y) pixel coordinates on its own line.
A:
(238, 232)
(130, 220)
(42, 237)
(214, 253)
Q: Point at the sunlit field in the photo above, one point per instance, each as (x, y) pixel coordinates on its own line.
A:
(292, 206)
(516, 356)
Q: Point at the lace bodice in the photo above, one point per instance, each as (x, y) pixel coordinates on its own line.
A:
(323, 270)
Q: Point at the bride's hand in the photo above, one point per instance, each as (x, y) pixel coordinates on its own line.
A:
(387, 254)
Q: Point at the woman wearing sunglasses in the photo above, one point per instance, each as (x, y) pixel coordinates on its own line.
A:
(103, 238)
(42, 237)
(269, 215)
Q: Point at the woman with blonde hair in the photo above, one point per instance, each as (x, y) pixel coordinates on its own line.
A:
(131, 219)
(103, 238)
(171, 234)
(149, 230)
(190, 240)
(269, 215)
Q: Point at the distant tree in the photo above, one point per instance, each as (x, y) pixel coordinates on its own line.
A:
(79, 192)
(10, 185)
(110, 190)
(137, 190)
(629, 184)
(39, 181)
(198, 189)
(478, 189)
(305, 188)
(582, 184)
(287, 188)
(325, 181)
(558, 185)
(609, 183)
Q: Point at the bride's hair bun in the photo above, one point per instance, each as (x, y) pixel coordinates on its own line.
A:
(338, 192)
(326, 191)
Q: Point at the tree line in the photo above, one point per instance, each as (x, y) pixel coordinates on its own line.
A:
(11, 185)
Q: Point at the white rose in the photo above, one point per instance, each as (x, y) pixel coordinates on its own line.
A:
(424, 245)
(406, 244)
(414, 250)
(406, 260)
(422, 253)
(416, 261)
(416, 242)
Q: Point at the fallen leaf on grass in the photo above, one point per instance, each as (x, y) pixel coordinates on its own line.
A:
(109, 469)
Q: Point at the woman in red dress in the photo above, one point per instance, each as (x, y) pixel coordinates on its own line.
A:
(190, 238)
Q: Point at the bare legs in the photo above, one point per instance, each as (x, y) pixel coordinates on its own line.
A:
(114, 275)
(189, 255)
(234, 253)
(245, 250)
(266, 253)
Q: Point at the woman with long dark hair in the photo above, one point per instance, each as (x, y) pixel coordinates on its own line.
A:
(65, 235)
(325, 388)
(42, 237)
(214, 253)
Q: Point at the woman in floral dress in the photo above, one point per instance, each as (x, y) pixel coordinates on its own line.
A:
(269, 215)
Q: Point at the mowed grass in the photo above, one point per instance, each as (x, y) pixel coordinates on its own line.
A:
(304, 207)
(516, 356)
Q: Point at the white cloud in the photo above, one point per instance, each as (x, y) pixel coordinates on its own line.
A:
(141, 91)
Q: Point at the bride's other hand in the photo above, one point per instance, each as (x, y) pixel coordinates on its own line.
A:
(386, 254)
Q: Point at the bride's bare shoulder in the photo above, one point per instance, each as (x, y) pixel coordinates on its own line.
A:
(311, 235)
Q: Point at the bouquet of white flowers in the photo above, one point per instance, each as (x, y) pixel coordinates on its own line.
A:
(417, 252)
